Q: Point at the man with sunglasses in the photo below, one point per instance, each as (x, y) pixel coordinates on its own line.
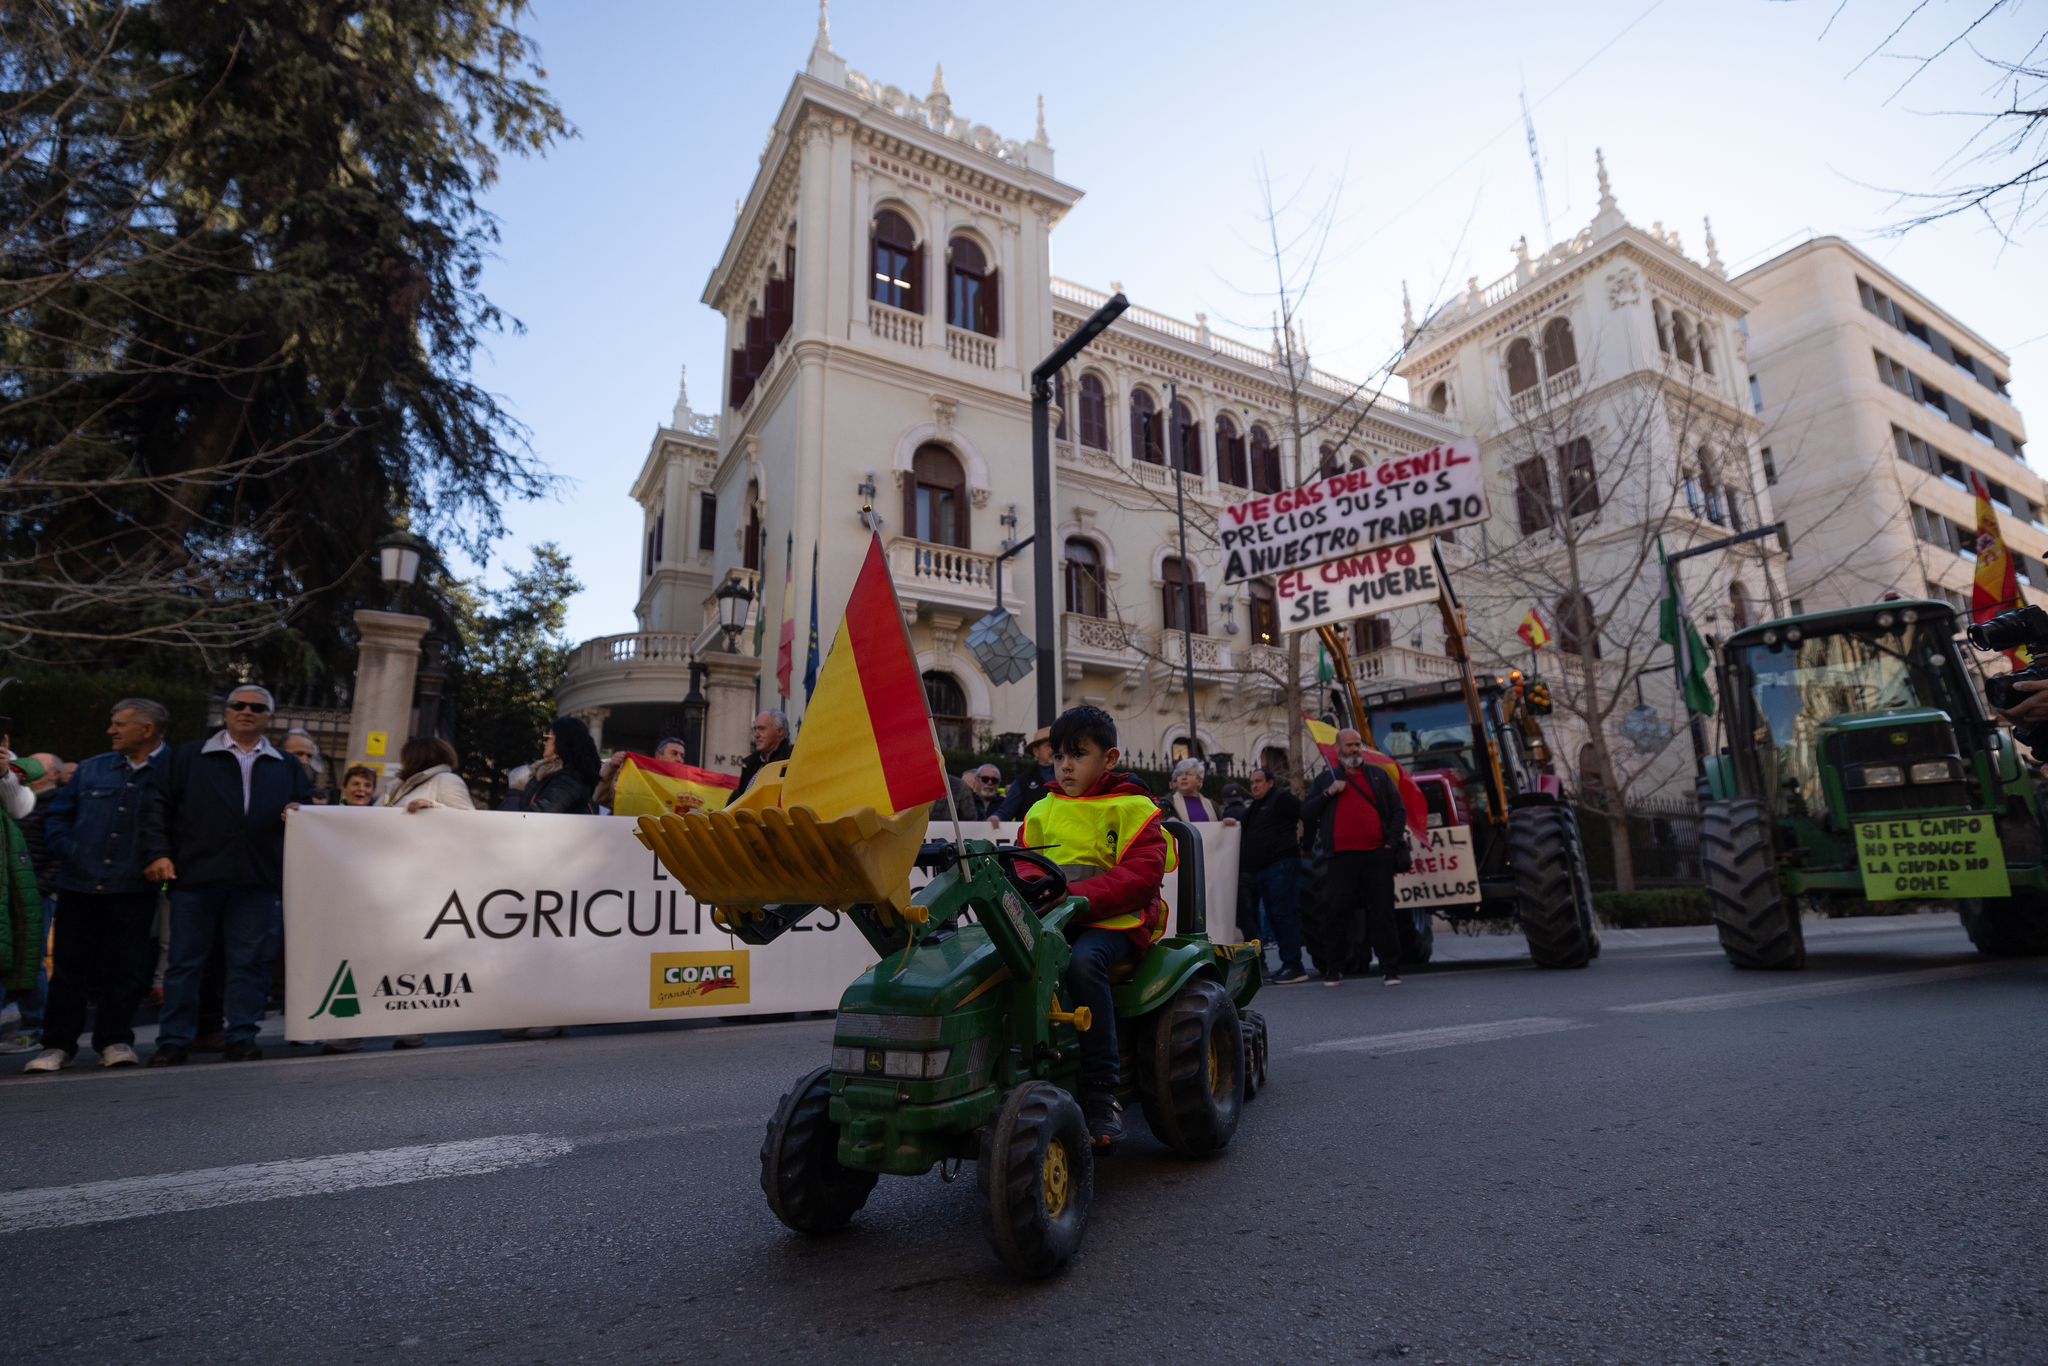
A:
(215, 832)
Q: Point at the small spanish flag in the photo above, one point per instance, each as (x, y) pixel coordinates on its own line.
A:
(867, 738)
(1997, 585)
(1325, 736)
(1532, 631)
(649, 787)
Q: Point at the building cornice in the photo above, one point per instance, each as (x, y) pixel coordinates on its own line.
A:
(1893, 286)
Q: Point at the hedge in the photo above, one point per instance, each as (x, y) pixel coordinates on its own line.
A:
(65, 713)
(1652, 909)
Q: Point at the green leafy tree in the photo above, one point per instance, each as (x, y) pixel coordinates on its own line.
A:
(510, 657)
(241, 246)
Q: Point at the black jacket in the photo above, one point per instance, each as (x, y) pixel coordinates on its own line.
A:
(755, 762)
(1024, 793)
(1271, 828)
(560, 792)
(196, 818)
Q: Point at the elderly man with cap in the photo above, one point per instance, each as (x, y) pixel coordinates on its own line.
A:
(216, 833)
(1028, 788)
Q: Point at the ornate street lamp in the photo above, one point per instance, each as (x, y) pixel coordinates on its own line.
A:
(398, 563)
(734, 598)
(695, 706)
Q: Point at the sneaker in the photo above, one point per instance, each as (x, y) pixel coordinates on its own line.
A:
(210, 1043)
(1288, 977)
(119, 1055)
(19, 1043)
(49, 1060)
(1392, 979)
(168, 1057)
(547, 1032)
(1332, 977)
(243, 1050)
(340, 1046)
(1105, 1118)
(10, 1016)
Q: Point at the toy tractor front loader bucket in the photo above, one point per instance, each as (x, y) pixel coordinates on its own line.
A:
(761, 866)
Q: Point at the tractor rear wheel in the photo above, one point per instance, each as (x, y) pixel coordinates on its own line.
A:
(1553, 896)
(1758, 925)
(800, 1171)
(2007, 927)
(1036, 1176)
(1191, 1070)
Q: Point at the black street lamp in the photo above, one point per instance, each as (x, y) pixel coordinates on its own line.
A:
(695, 707)
(734, 598)
(398, 564)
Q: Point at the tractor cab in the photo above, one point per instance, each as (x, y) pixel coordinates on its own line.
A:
(1429, 731)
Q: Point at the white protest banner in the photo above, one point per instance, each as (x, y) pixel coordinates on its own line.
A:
(1443, 874)
(1356, 586)
(1401, 499)
(440, 921)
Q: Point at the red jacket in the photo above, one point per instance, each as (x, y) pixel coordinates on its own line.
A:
(1113, 848)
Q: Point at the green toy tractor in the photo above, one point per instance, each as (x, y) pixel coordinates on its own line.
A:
(1861, 764)
(956, 1047)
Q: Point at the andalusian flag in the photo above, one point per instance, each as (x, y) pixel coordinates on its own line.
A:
(1997, 588)
(649, 787)
(1675, 629)
(785, 650)
(867, 738)
(1533, 631)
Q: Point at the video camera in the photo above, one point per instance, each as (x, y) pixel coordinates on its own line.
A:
(2022, 628)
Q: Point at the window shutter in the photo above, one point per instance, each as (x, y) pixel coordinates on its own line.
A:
(910, 502)
(991, 292)
(917, 278)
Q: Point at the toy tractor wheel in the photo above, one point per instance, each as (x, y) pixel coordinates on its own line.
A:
(1191, 1070)
(1553, 896)
(1036, 1176)
(2007, 927)
(800, 1171)
(1759, 927)
(1253, 1026)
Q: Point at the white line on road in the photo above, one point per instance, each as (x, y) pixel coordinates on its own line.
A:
(1415, 1040)
(1728, 1000)
(99, 1202)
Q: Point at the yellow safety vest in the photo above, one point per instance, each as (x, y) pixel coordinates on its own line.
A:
(1090, 835)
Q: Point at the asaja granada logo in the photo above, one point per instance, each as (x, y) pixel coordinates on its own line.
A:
(686, 980)
(394, 991)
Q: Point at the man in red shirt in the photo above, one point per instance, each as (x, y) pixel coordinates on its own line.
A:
(1361, 812)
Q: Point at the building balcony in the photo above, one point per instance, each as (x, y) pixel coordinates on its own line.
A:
(640, 666)
(1397, 666)
(1099, 644)
(1211, 656)
(971, 348)
(930, 575)
(895, 324)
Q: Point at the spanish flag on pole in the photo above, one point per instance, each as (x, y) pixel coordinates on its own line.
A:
(1997, 588)
(867, 738)
(1325, 736)
(785, 648)
(1532, 631)
(649, 787)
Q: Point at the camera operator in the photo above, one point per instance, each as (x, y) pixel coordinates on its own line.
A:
(2034, 707)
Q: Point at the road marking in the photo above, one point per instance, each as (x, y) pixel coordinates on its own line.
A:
(1729, 1000)
(99, 1202)
(1415, 1040)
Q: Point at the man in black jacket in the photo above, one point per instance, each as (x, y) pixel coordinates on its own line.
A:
(1269, 871)
(1027, 788)
(216, 831)
(771, 746)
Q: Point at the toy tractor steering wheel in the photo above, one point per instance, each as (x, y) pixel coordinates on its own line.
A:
(1041, 893)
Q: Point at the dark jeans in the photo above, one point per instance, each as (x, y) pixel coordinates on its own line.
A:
(1277, 889)
(1358, 897)
(244, 918)
(1097, 953)
(104, 957)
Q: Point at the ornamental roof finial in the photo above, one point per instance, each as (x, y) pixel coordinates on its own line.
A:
(1713, 250)
(938, 81)
(1040, 137)
(824, 42)
(680, 419)
(1610, 217)
(1407, 313)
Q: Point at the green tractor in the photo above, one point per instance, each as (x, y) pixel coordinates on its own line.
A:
(1861, 764)
(955, 1048)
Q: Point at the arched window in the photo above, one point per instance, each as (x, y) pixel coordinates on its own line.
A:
(1184, 748)
(1086, 593)
(1327, 463)
(1440, 397)
(935, 498)
(1370, 634)
(970, 287)
(1578, 631)
(1681, 338)
(1233, 465)
(947, 701)
(1148, 433)
(1521, 366)
(1094, 413)
(1180, 614)
(1265, 613)
(1187, 440)
(1738, 606)
(1703, 490)
(1663, 321)
(750, 543)
(895, 263)
(1265, 462)
(1560, 351)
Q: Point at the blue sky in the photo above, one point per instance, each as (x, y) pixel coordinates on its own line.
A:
(1162, 114)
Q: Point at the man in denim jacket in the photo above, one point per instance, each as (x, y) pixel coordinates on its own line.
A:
(105, 951)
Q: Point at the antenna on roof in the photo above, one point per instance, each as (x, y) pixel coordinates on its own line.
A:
(1536, 161)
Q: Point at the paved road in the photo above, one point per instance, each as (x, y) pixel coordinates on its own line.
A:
(1657, 1159)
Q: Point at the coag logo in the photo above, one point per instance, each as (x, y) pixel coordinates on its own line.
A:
(683, 980)
(340, 1002)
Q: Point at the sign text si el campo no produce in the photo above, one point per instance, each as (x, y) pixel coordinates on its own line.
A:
(1401, 499)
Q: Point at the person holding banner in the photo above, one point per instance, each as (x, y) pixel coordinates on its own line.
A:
(567, 775)
(427, 777)
(1363, 810)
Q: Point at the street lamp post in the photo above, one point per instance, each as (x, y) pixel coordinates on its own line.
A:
(733, 598)
(695, 705)
(387, 658)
